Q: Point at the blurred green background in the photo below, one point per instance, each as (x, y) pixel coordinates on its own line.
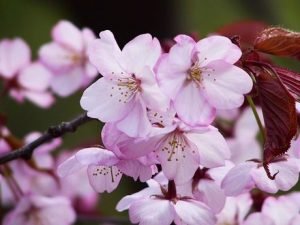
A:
(33, 19)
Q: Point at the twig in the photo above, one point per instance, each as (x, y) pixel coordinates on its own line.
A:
(26, 151)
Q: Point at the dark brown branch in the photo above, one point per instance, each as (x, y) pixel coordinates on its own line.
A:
(26, 151)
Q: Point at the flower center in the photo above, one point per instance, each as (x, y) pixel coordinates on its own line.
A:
(195, 73)
(125, 88)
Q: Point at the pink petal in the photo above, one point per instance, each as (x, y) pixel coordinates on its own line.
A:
(225, 85)
(55, 210)
(246, 126)
(182, 39)
(35, 77)
(240, 149)
(104, 178)
(14, 56)
(140, 52)
(258, 219)
(103, 103)
(68, 36)
(128, 200)
(88, 36)
(135, 169)
(217, 47)
(41, 99)
(238, 179)
(151, 211)
(200, 112)
(212, 147)
(281, 210)
(193, 212)
(178, 163)
(151, 93)
(211, 194)
(136, 123)
(67, 83)
(295, 220)
(97, 156)
(286, 178)
(105, 54)
(56, 57)
(173, 67)
(68, 167)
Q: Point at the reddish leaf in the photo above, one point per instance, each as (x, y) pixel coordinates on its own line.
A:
(279, 115)
(246, 30)
(278, 41)
(291, 81)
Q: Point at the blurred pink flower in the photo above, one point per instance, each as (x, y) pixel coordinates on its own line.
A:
(67, 58)
(35, 209)
(24, 80)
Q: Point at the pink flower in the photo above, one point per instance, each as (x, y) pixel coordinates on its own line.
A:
(24, 80)
(105, 168)
(244, 145)
(35, 209)
(179, 149)
(14, 56)
(235, 210)
(156, 205)
(77, 188)
(250, 174)
(42, 155)
(282, 210)
(200, 77)
(206, 185)
(128, 86)
(67, 58)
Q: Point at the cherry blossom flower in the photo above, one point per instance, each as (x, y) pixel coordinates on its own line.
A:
(105, 168)
(201, 75)
(244, 144)
(35, 176)
(15, 55)
(281, 211)
(206, 186)
(235, 210)
(250, 174)
(128, 86)
(76, 187)
(179, 149)
(24, 80)
(67, 58)
(157, 205)
(35, 209)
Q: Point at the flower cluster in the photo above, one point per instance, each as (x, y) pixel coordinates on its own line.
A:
(158, 108)
(173, 118)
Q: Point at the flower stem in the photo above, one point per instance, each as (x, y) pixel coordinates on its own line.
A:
(258, 121)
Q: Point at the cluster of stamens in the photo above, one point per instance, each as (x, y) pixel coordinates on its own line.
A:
(174, 144)
(105, 171)
(125, 88)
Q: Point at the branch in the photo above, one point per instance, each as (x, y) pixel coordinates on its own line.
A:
(26, 151)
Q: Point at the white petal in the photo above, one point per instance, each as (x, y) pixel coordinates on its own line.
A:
(194, 213)
(104, 178)
(151, 212)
